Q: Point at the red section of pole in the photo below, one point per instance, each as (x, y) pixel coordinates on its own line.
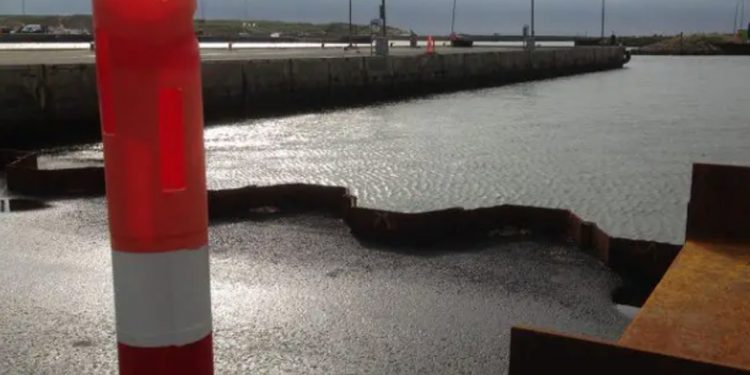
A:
(148, 72)
(167, 361)
(149, 80)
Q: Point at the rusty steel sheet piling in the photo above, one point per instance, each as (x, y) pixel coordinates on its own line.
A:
(641, 262)
(697, 320)
(535, 352)
(701, 308)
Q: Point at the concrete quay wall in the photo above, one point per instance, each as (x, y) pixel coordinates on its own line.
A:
(57, 104)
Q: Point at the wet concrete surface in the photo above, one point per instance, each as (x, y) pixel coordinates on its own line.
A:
(300, 295)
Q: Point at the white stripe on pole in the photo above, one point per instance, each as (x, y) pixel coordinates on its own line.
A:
(162, 299)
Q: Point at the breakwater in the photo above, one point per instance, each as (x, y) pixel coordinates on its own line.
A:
(44, 104)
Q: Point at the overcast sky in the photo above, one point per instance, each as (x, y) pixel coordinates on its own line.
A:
(572, 17)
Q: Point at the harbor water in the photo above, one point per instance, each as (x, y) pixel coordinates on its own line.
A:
(615, 147)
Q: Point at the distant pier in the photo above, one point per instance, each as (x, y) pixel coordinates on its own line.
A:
(50, 97)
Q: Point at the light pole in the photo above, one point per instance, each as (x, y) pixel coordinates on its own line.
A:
(23, 7)
(533, 26)
(351, 27)
(736, 17)
(246, 11)
(604, 15)
(385, 25)
(453, 19)
(533, 16)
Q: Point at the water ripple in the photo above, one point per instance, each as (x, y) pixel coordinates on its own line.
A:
(616, 147)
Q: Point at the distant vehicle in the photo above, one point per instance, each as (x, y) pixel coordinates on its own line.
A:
(32, 29)
(456, 39)
(65, 31)
(276, 35)
(461, 41)
(78, 32)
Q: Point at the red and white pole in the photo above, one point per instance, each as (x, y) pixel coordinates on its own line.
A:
(148, 72)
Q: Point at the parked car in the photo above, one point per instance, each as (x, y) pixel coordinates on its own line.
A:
(32, 29)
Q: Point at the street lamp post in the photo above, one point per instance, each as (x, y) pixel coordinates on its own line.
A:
(736, 17)
(533, 25)
(23, 7)
(385, 25)
(351, 27)
(453, 19)
(246, 11)
(604, 15)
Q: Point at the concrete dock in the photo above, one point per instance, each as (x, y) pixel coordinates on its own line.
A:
(63, 57)
(51, 97)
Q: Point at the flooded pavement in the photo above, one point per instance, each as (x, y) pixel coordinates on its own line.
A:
(300, 294)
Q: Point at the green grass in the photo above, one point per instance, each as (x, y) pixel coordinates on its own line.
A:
(692, 44)
(71, 22)
(641, 41)
(211, 27)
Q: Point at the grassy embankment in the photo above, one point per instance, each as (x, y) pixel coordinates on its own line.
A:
(696, 44)
(225, 28)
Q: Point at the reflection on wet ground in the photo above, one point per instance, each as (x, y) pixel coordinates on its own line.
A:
(300, 294)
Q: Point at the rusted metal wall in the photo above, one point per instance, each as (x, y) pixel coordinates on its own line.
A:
(239, 203)
(24, 177)
(725, 223)
(11, 156)
(696, 319)
(719, 208)
(535, 352)
(701, 308)
(641, 261)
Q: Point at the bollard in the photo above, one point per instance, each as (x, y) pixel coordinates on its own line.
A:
(430, 46)
(148, 73)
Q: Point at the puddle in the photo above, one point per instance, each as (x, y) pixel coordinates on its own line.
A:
(628, 311)
(17, 205)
